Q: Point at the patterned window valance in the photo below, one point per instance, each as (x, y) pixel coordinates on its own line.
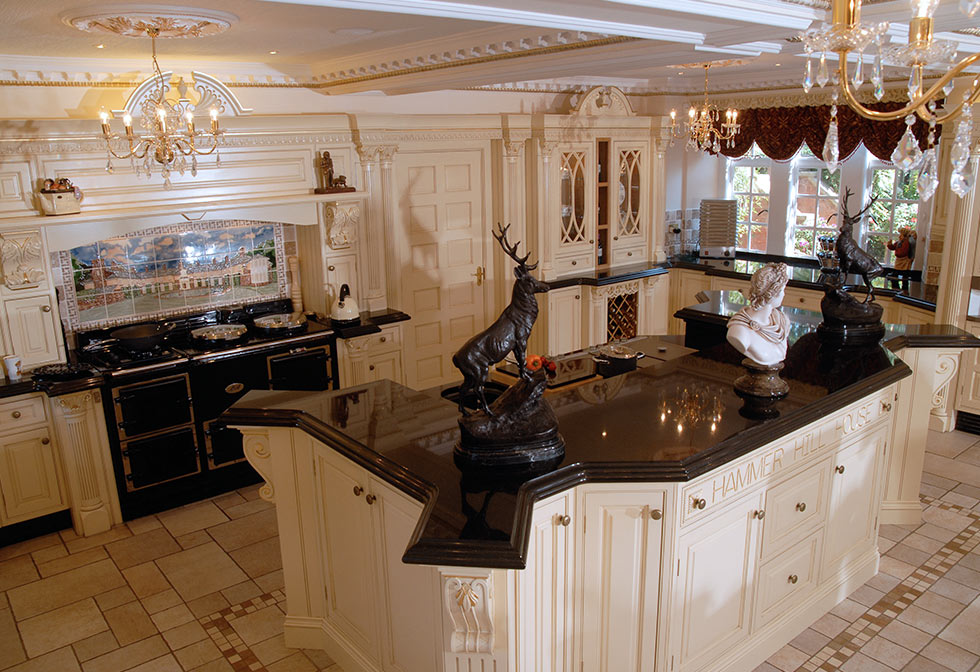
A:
(781, 131)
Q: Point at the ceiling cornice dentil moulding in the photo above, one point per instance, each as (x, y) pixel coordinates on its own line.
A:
(135, 20)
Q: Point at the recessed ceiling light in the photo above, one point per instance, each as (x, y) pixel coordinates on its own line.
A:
(680, 72)
(779, 65)
(273, 52)
(100, 46)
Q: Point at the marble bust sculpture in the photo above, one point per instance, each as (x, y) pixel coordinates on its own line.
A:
(759, 330)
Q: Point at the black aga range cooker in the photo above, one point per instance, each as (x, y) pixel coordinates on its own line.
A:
(166, 383)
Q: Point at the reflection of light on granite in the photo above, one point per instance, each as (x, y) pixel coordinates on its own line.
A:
(691, 405)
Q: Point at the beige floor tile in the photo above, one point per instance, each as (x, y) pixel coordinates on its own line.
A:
(861, 663)
(885, 545)
(923, 664)
(259, 625)
(271, 581)
(849, 610)
(142, 548)
(201, 570)
(128, 656)
(248, 508)
(260, 558)
(130, 623)
(955, 591)
(964, 630)
(272, 649)
(17, 572)
(809, 642)
(319, 658)
(160, 601)
(192, 517)
(922, 543)
(830, 625)
(931, 490)
(73, 561)
(950, 444)
(970, 455)
(29, 546)
(251, 492)
(971, 561)
(197, 654)
(115, 597)
(62, 626)
(229, 500)
(887, 652)
(939, 481)
(65, 588)
(240, 592)
(950, 655)
(245, 531)
(895, 532)
(62, 660)
(94, 646)
(145, 524)
(146, 579)
(218, 665)
(866, 595)
(895, 567)
(50, 553)
(947, 519)
(165, 663)
(11, 649)
(184, 635)
(84, 543)
(172, 617)
(935, 532)
(207, 605)
(923, 620)
(193, 539)
(955, 470)
(938, 604)
(295, 663)
(786, 659)
(906, 553)
(964, 575)
(904, 634)
(883, 581)
(960, 500)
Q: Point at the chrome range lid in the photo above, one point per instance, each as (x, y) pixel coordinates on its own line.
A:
(278, 321)
(220, 332)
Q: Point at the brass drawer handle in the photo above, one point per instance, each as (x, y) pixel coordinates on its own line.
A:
(801, 507)
(839, 469)
(370, 499)
(564, 521)
(383, 339)
(656, 514)
(886, 407)
(15, 414)
(793, 578)
(358, 490)
(45, 441)
(700, 504)
(629, 254)
(760, 514)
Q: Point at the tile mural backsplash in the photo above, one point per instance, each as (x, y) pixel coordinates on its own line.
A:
(170, 270)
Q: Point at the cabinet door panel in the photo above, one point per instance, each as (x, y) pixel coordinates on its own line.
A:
(789, 577)
(715, 585)
(851, 512)
(29, 479)
(351, 598)
(34, 329)
(620, 580)
(385, 366)
(410, 611)
(564, 321)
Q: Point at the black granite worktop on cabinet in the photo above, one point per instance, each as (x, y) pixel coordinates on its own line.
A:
(12, 388)
(616, 430)
(370, 323)
(804, 273)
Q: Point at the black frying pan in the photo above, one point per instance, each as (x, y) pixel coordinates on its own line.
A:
(142, 337)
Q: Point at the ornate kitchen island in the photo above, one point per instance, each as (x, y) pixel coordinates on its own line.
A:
(676, 534)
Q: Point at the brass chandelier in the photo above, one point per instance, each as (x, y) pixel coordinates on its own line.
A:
(162, 140)
(702, 128)
(848, 35)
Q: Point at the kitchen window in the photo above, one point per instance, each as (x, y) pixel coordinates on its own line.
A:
(750, 185)
(896, 194)
(817, 192)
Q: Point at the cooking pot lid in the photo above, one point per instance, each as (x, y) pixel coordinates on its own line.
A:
(142, 330)
(618, 351)
(220, 332)
(280, 321)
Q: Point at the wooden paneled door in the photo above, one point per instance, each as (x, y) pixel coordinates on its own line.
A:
(440, 243)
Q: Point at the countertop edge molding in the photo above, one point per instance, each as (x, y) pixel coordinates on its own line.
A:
(513, 554)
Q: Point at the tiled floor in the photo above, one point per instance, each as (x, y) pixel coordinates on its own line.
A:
(200, 588)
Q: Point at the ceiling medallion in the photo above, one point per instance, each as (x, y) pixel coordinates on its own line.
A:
(169, 22)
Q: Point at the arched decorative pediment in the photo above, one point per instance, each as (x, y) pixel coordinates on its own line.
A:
(604, 101)
(210, 93)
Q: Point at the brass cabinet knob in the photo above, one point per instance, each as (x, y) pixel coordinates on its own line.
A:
(839, 468)
(760, 514)
(383, 339)
(15, 414)
(700, 504)
(886, 406)
(331, 268)
(45, 441)
(564, 521)
(358, 490)
(656, 514)
(371, 367)
(45, 309)
(370, 499)
(802, 300)
(615, 237)
(801, 507)
(793, 578)
(629, 254)
(574, 263)
(591, 242)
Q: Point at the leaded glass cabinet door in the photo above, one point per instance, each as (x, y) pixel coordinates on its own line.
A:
(576, 198)
(632, 212)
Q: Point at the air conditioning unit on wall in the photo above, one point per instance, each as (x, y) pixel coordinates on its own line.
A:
(718, 228)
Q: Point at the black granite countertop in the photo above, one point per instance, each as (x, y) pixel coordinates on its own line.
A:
(615, 429)
(804, 273)
(371, 322)
(723, 304)
(12, 388)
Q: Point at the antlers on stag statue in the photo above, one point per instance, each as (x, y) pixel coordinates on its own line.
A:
(852, 259)
(509, 333)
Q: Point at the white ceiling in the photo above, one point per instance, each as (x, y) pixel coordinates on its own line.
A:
(401, 46)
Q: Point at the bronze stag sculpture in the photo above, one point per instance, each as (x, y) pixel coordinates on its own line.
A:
(507, 334)
(852, 259)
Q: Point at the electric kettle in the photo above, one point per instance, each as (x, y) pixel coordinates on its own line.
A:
(345, 310)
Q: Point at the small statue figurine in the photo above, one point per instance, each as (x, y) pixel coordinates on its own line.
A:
(329, 183)
(760, 329)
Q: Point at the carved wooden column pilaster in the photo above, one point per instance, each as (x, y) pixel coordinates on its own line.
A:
(378, 224)
(80, 427)
(468, 620)
(546, 222)
(647, 310)
(958, 252)
(596, 327)
(658, 197)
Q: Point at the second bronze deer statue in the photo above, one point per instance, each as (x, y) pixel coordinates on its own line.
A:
(509, 333)
(852, 259)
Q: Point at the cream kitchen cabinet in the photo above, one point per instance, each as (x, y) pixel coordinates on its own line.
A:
(377, 356)
(35, 334)
(968, 392)
(907, 314)
(808, 299)
(564, 320)
(684, 285)
(31, 477)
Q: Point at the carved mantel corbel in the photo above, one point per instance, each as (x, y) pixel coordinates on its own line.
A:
(341, 221)
(468, 619)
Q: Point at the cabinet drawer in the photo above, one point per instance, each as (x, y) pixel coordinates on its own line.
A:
(627, 256)
(576, 264)
(790, 576)
(803, 298)
(22, 412)
(390, 338)
(858, 418)
(794, 508)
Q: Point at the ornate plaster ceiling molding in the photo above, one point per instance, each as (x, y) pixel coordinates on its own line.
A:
(135, 20)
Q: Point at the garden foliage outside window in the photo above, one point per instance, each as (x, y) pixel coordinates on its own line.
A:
(896, 194)
(750, 188)
(817, 198)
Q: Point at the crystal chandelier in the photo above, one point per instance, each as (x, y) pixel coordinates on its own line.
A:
(846, 35)
(702, 128)
(162, 141)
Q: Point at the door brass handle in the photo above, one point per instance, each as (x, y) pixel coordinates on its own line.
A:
(839, 469)
(370, 499)
(564, 521)
(358, 490)
(46, 309)
(793, 578)
(759, 514)
(15, 414)
(479, 275)
(801, 507)
(45, 441)
(886, 407)
(700, 504)
(656, 514)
